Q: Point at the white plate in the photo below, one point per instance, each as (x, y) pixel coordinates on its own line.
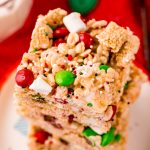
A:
(13, 128)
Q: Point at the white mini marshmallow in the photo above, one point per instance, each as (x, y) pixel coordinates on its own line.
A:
(40, 86)
(74, 23)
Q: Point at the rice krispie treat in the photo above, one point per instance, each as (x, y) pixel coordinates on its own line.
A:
(76, 70)
(88, 139)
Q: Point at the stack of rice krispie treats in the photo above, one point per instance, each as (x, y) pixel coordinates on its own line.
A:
(76, 83)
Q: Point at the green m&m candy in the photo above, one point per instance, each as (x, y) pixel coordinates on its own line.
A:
(87, 132)
(82, 6)
(108, 137)
(64, 78)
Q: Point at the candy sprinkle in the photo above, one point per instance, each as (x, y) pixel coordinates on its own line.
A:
(89, 104)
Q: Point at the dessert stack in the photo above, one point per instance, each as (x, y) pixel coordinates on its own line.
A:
(76, 83)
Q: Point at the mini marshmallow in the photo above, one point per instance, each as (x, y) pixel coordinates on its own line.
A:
(40, 86)
(74, 23)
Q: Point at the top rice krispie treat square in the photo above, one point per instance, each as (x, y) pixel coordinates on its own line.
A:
(77, 65)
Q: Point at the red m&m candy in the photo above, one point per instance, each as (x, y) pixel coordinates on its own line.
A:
(41, 136)
(86, 39)
(60, 32)
(58, 41)
(24, 77)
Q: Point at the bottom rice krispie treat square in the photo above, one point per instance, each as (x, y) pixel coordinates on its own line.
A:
(87, 140)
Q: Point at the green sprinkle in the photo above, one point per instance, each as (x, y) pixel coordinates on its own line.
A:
(46, 33)
(126, 86)
(108, 137)
(34, 50)
(64, 78)
(103, 67)
(80, 73)
(90, 104)
(117, 137)
(87, 132)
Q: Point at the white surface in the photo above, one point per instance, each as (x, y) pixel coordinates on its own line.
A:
(40, 86)
(74, 23)
(12, 18)
(10, 139)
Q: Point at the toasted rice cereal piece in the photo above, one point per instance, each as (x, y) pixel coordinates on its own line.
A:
(88, 51)
(61, 92)
(72, 39)
(96, 58)
(56, 69)
(55, 17)
(63, 48)
(127, 53)
(41, 37)
(72, 52)
(96, 24)
(51, 80)
(108, 113)
(80, 48)
(95, 32)
(113, 37)
(50, 56)
(103, 52)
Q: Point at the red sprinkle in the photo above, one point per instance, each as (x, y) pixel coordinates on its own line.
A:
(86, 56)
(24, 77)
(86, 38)
(50, 142)
(76, 97)
(46, 65)
(60, 32)
(41, 136)
(58, 41)
(63, 66)
(70, 57)
(74, 72)
(70, 118)
(29, 61)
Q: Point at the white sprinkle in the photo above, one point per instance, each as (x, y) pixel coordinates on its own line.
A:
(100, 92)
(54, 65)
(46, 69)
